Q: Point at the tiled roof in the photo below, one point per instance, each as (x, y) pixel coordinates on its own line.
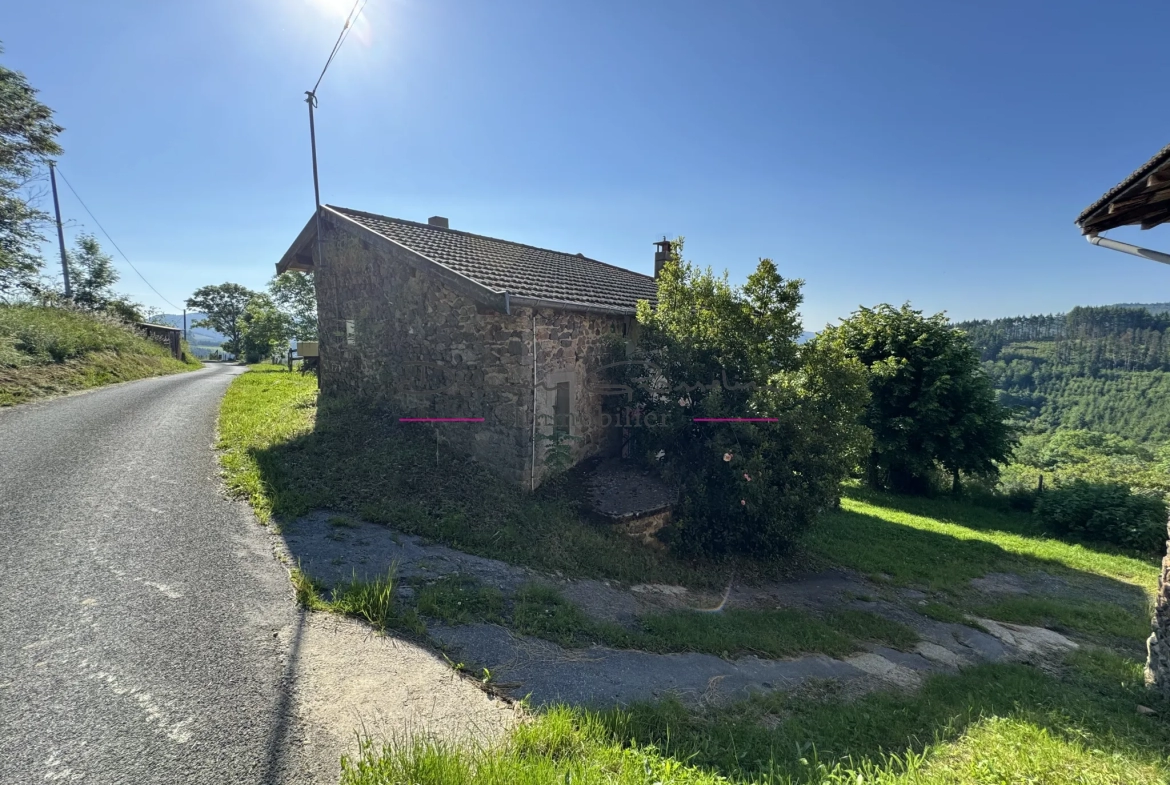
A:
(521, 270)
(1161, 157)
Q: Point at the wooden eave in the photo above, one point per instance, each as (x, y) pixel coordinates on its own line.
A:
(1145, 202)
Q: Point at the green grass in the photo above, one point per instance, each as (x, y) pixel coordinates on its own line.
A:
(943, 544)
(1101, 620)
(942, 612)
(372, 601)
(989, 725)
(48, 351)
(458, 599)
(541, 612)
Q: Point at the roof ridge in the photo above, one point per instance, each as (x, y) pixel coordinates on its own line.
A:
(486, 237)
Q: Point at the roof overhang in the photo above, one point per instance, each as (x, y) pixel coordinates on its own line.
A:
(1142, 199)
(299, 256)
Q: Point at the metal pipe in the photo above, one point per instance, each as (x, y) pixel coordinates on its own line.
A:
(1145, 253)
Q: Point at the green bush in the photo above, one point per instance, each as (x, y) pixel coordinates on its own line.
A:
(710, 353)
(1105, 512)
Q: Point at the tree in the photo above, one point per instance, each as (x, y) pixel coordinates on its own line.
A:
(92, 277)
(224, 305)
(91, 274)
(296, 295)
(712, 350)
(27, 140)
(263, 328)
(931, 403)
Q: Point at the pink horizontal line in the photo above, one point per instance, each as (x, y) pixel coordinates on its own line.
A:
(736, 419)
(440, 419)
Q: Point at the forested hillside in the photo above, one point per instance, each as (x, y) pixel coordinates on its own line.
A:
(1101, 369)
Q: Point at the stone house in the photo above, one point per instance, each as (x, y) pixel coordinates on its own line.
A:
(437, 324)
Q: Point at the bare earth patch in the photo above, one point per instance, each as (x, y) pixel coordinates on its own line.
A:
(348, 680)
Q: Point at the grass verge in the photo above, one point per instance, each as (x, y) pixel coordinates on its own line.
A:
(541, 611)
(990, 724)
(48, 351)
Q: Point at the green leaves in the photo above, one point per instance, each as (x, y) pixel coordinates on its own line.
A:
(931, 404)
(28, 137)
(224, 305)
(296, 295)
(720, 351)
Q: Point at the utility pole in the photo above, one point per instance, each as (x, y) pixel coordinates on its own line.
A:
(184, 324)
(60, 231)
(311, 100)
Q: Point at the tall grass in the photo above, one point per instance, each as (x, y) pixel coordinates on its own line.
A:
(47, 350)
(38, 334)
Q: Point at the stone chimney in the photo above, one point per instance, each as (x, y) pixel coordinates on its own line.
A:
(439, 221)
(662, 255)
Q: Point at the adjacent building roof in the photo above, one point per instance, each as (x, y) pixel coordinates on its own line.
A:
(1142, 198)
(523, 271)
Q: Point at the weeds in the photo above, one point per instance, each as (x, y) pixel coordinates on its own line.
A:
(458, 599)
(372, 601)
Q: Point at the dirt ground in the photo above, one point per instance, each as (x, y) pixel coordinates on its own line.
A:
(348, 682)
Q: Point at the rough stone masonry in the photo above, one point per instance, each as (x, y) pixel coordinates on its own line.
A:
(1158, 644)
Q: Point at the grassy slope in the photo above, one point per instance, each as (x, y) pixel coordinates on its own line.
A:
(47, 351)
(990, 724)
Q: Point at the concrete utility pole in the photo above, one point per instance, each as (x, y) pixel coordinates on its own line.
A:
(184, 324)
(60, 231)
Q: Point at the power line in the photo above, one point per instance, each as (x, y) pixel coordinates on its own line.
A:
(111, 239)
(354, 13)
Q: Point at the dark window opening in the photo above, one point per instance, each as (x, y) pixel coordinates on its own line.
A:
(561, 409)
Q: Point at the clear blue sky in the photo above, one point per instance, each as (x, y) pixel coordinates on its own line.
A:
(935, 152)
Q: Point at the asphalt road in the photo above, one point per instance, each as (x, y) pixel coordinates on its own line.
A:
(146, 631)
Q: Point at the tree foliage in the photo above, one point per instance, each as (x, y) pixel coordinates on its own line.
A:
(1101, 369)
(27, 140)
(264, 328)
(708, 349)
(224, 305)
(931, 403)
(296, 295)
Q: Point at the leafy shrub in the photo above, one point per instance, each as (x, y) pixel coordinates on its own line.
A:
(1105, 512)
(711, 351)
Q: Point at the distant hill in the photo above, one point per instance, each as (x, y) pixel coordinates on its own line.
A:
(805, 336)
(1104, 369)
(201, 336)
(1154, 308)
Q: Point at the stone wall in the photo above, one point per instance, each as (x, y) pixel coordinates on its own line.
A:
(1158, 645)
(571, 346)
(396, 335)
